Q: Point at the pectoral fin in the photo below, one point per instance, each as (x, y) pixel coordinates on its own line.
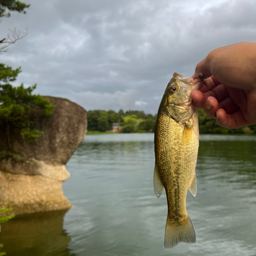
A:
(158, 186)
(193, 186)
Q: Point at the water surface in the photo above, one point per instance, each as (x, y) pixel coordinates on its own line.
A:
(115, 211)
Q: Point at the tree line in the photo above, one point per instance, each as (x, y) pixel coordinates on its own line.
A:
(207, 125)
(130, 121)
(137, 121)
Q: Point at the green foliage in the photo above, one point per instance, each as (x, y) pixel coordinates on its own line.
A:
(137, 113)
(11, 5)
(113, 117)
(148, 125)
(92, 120)
(149, 116)
(252, 129)
(131, 120)
(4, 219)
(100, 120)
(17, 104)
(138, 121)
(7, 154)
(127, 128)
(7, 74)
(97, 120)
(120, 112)
(31, 135)
(2, 253)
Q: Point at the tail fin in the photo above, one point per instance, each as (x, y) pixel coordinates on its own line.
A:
(175, 234)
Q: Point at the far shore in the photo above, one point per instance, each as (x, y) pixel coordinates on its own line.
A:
(109, 132)
(98, 133)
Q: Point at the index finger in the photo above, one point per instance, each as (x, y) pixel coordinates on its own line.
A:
(209, 84)
(202, 67)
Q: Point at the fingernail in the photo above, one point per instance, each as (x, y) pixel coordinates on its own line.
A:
(208, 106)
(217, 118)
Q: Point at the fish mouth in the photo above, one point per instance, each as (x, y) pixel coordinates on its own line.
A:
(193, 83)
(183, 104)
(196, 83)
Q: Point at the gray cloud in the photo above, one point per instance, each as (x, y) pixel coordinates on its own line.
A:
(110, 54)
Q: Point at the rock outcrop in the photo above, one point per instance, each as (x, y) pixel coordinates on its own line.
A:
(32, 173)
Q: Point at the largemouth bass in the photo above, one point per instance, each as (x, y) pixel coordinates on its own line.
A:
(176, 148)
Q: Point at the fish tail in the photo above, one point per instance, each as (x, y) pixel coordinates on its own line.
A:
(175, 234)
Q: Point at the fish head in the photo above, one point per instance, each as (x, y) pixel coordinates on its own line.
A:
(178, 90)
(177, 97)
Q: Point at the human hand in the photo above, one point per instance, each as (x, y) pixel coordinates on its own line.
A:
(229, 94)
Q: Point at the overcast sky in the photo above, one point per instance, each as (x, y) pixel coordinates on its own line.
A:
(113, 54)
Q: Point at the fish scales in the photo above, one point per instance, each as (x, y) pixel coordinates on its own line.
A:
(176, 147)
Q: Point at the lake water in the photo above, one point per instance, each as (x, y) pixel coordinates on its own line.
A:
(115, 211)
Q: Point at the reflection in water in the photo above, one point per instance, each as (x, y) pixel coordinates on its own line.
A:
(121, 215)
(38, 234)
(232, 160)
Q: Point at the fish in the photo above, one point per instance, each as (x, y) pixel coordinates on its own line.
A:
(176, 144)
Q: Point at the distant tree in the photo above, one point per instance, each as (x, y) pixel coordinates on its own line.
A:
(148, 125)
(17, 104)
(252, 128)
(113, 117)
(127, 129)
(120, 112)
(131, 120)
(103, 121)
(92, 120)
(97, 120)
(137, 113)
(208, 125)
(131, 123)
(149, 116)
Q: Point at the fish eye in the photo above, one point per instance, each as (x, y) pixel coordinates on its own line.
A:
(173, 89)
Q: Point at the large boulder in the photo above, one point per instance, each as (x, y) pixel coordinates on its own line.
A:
(32, 173)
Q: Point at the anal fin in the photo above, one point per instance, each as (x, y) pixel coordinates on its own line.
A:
(193, 186)
(158, 186)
